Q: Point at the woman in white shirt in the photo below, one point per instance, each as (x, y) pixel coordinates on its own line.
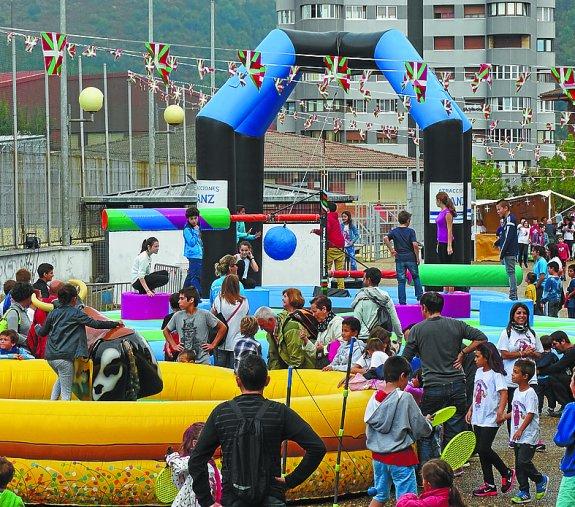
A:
(523, 230)
(232, 306)
(143, 280)
(569, 236)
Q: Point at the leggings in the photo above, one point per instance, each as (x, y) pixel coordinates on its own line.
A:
(522, 255)
(63, 386)
(153, 280)
(487, 456)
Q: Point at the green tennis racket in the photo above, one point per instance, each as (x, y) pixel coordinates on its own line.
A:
(459, 449)
(165, 488)
(442, 415)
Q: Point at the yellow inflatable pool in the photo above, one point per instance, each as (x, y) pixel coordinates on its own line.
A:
(109, 453)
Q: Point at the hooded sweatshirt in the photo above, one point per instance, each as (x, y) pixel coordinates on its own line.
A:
(437, 497)
(10, 499)
(365, 306)
(565, 437)
(395, 423)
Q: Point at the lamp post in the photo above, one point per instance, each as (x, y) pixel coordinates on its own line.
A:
(173, 116)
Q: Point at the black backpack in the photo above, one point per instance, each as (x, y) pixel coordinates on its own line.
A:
(250, 466)
(382, 319)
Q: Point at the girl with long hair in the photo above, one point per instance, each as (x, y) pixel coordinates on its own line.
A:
(350, 236)
(227, 265)
(444, 223)
(486, 413)
(178, 463)
(144, 281)
(231, 306)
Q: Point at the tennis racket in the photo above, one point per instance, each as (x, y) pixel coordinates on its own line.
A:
(459, 449)
(165, 488)
(442, 415)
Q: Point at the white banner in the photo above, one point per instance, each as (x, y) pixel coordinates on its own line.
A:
(454, 191)
(212, 194)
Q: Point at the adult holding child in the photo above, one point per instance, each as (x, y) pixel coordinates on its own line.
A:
(231, 306)
(144, 280)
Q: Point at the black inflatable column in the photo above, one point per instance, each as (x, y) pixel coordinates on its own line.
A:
(249, 186)
(467, 220)
(215, 160)
(443, 160)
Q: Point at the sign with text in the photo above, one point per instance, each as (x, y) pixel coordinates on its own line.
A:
(454, 191)
(212, 193)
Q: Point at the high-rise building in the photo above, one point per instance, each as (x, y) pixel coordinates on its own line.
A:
(454, 37)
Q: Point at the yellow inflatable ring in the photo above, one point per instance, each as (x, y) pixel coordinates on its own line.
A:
(98, 453)
(48, 307)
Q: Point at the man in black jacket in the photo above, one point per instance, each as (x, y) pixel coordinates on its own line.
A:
(509, 244)
(279, 423)
(560, 372)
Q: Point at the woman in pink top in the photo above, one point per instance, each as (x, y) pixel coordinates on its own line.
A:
(444, 223)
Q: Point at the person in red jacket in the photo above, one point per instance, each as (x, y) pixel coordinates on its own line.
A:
(37, 344)
(335, 242)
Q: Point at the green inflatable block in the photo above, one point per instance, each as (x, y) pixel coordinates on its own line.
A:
(463, 275)
(115, 220)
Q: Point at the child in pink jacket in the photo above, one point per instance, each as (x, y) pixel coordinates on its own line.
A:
(438, 488)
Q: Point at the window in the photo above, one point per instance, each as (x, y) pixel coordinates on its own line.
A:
(510, 103)
(443, 43)
(469, 73)
(511, 135)
(386, 12)
(544, 45)
(353, 137)
(509, 41)
(382, 138)
(471, 105)
(386, 105)
(545, 14)
(509, 9)
(356, 12)
(324, 11)
(544, 76)
(545, 106)
(286, 17)
(512, 166)
(508, 71)
(311, 77)
(474, 42)
(474, 11)
(359, 106)
(545, 136)
(290, 107)
(443, 11)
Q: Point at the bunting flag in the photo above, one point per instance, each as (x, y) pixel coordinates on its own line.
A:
(493, 125)
(416, 73)
(279, 85)
(203, 69)
(202, 99)
(537, 153)
(406, 101)
(564, 120)
(323, 201)
(338, 70)
(293, 70)
(565, 76)
(560, 154)
(89, 51)
(362, 134)
(400, 117)
(484, 75)
(9, 37)
(337, 125)
(549, 126)
(352, 110)
(521, 80)
(322, 87)
(116, 53)
(252, 61)
(131, 77)
(71, 49)
(511, 152)
(446, 78)
(159, 54)
(153, 85)
(242, 78)
(527, 116)
(412, 135)
(53, 47)
(376, 111)
(282, 116)
(362, 84)
(368, 125)
(489, 151)
(307, 123)
(447, 106)
(173, 62)
(295, 115)
(232, 68)
(352, 125)
(486, 110)
(30, 43)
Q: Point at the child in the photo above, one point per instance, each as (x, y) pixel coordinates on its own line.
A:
(553, 290)
(525, 432)
(193, 325)
(394, 423)
(247, 265)
(564, 253)
(247, 344)
(438, 488)
(543, 387)
(565, 437)
(570, 296)
(193, 248)
(66, 331)
(374, 355)
(486, 413)
(349, 329)
(405, 249)
(178, 463)
(186, 356)
(9, 348)
(390, 346)
(171, 354)
(530, 290)
(7, 498)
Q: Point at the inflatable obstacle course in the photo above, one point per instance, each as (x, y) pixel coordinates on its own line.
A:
(463, 275)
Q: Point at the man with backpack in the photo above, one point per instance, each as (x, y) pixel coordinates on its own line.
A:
(374, 307)
(250, 430)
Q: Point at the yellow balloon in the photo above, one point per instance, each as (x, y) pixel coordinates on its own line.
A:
(91, 99)
(174, 115)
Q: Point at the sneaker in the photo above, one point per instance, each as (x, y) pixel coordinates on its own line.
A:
(521, 497)
(542, 488)
(507, 481)
(485, 490)
(540, 446)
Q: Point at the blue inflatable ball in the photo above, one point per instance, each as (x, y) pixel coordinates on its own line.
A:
(280, 243)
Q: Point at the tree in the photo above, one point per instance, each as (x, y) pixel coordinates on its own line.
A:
(487, 181)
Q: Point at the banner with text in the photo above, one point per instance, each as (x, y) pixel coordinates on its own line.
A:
(212, 194)
(454, 191)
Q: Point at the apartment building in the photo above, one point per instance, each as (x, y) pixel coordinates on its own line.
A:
(455, 37)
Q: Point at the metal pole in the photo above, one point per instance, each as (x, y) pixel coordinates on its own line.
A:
(15, 190)
(213, 44)
(184, 179)
(65, 185)
(151, 105)
(168, 155)
(82, 144)
(48, 163)
(106, 132)
(130, 141)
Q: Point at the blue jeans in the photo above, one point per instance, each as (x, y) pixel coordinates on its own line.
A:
(413, 268)
(194, 275)
(509, 263)
(435, 398)
(350, 257)
(403, 479)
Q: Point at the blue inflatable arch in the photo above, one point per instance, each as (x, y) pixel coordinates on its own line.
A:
(230, 128)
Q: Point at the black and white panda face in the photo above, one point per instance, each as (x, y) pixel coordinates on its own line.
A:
(108, 383)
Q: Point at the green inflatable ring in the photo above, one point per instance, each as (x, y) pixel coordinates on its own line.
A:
(463, 275)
